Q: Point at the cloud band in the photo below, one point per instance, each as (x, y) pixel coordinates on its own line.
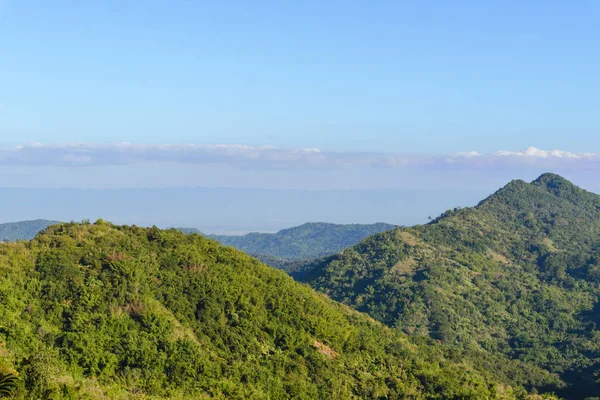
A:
(269, 157)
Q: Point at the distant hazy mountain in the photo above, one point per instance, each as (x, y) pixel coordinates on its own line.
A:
(307, 241)
(23, 230)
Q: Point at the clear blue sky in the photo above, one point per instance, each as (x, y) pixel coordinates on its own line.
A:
(398, 76)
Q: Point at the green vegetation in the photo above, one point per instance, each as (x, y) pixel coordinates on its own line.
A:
(8, 382)
(518, 277)
(94, 311)
(285, 248)
(23, 230)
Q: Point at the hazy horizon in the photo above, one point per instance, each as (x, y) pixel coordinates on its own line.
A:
(230, 211)
(236, 210)
(454, 100)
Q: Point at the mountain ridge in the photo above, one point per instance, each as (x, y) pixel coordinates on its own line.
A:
(307, 241)
(492, 277)
(106, 311)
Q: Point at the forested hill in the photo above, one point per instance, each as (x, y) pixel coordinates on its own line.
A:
(518, 275)
(98, 311)
(307, 241)
(23, 230)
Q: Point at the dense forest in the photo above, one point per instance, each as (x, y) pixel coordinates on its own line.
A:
(516, 276)
(23, 230)
(287, 247)
(96, 311)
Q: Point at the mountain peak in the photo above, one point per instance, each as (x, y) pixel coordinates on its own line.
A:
(550, 179)
(520, 194)
(557, 185)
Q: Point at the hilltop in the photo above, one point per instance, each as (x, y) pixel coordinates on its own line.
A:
(101, 311)
(516, 276)
(286, 249)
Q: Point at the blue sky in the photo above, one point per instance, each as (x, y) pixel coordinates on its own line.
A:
(394, 109)
(354, 76)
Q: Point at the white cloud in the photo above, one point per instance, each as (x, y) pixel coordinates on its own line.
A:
(127, 153)
(468, 154)
(530, 157)
(534, 152)
(270, 157)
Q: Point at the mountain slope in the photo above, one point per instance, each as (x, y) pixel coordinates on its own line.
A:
(307, 241)
(23, 230)
(518, 275)
(99, 311)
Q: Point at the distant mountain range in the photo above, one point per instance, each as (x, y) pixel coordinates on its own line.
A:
(304, 242)
(23, 230)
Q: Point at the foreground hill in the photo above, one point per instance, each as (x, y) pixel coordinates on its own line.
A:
(518, 275)
(23, 230)
(307, 241)
(100, 311)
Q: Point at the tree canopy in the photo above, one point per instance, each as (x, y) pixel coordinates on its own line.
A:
(517, 276)
(103, 311)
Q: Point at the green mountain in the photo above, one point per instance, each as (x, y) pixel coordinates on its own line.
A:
(98, 311)
(23, 230)
(304, 242)
(518, 275)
